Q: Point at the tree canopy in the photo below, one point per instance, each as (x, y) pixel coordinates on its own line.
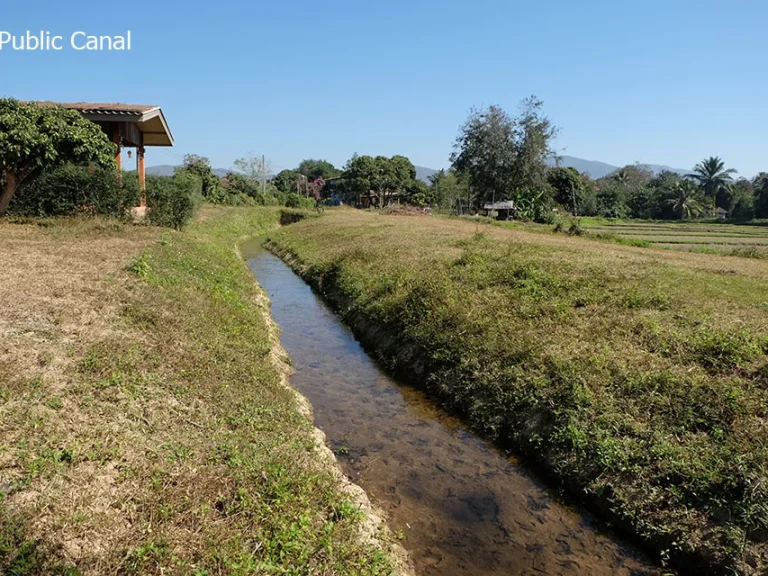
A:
(713, 179)
(385, 176)
(34, 138)
(314, 169)
(503, 155)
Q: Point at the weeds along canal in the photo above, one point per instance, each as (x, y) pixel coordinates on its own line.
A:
(463, 507)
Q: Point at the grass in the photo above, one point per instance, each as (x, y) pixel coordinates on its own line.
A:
(745, 240)
(635, 377)
(145, 426)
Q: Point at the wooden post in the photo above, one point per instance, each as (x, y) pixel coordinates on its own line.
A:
(142, 177)
(118, 153)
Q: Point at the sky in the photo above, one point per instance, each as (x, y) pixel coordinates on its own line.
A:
(664, 82)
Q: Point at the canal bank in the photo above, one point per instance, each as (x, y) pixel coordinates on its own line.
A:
(461, 506)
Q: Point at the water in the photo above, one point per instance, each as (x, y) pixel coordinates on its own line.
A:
(465, 508)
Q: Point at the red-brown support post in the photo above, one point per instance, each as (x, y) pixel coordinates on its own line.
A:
(118, 154)
(142, 177)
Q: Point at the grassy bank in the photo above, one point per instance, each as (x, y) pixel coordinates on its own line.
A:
(635, 376)
(145, 427)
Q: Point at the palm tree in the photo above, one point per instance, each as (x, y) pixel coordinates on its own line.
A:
(621, 177)
(712, 177)
(685, 204)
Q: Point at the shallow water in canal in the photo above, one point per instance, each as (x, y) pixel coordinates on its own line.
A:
(465, 508)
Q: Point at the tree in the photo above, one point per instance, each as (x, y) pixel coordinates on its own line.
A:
(743, 192)
(315, 188)
(568, 187)
(314, 169)
(201, 166)
(385, 176)
(447, 188)
(285, 181)
(685, 204)
(761, 195)
(713, 179)
(397, 173)
(255, 167)
(34, 138)
(503, 155)
(628, 177)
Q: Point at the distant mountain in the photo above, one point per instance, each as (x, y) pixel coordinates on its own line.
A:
(592, 167)
(599, 169)
(423, 173)
(168, 170)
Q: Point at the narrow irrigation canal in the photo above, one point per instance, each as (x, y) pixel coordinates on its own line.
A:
(463, 506)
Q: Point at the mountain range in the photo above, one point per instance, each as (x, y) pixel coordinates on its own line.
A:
(598, 169)
(168, 170)
(594, 168)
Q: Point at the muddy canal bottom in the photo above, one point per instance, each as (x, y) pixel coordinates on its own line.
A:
(463, 506)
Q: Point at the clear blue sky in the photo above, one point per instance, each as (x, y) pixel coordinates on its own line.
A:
(655, 81)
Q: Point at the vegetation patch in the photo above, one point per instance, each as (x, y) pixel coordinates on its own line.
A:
(635, 377)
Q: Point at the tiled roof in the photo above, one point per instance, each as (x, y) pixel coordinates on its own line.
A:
(104, 108)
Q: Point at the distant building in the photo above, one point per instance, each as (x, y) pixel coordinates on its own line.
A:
(721, 213)
(504, 210)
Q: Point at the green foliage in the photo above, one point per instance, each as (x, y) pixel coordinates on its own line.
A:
(568, 187)
(286, 181)
(501, 154)
(685, 203)
(713, 180)
(70, 189)
(314, 169)
(385, 176)
(447, 188)
(34, 138)
(293, 200)
(172, 201)
(761, 195)
(210, 185)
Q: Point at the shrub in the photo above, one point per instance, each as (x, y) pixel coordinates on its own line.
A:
(71, 189)
(293, 200)
(575, 229)
(172, 201)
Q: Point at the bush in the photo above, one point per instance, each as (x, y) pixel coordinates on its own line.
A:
(293, 200)
(71, 189)
(173, 201)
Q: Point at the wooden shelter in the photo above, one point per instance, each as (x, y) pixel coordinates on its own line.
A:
(504, 210)
(128, 126)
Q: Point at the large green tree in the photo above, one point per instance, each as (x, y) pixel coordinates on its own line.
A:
(384, 176)
(713, 179)
(503, 155)
(314, 169)
(568, 187)
(34, 138)
(288, 181)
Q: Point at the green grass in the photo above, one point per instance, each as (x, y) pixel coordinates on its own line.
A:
(169, 444)
(635, 377)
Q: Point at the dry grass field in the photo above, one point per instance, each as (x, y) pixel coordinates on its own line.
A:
(144, 425)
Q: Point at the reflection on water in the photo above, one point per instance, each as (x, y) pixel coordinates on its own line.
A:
(463, 506)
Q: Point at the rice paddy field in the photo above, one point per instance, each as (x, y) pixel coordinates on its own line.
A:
(713, 237)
